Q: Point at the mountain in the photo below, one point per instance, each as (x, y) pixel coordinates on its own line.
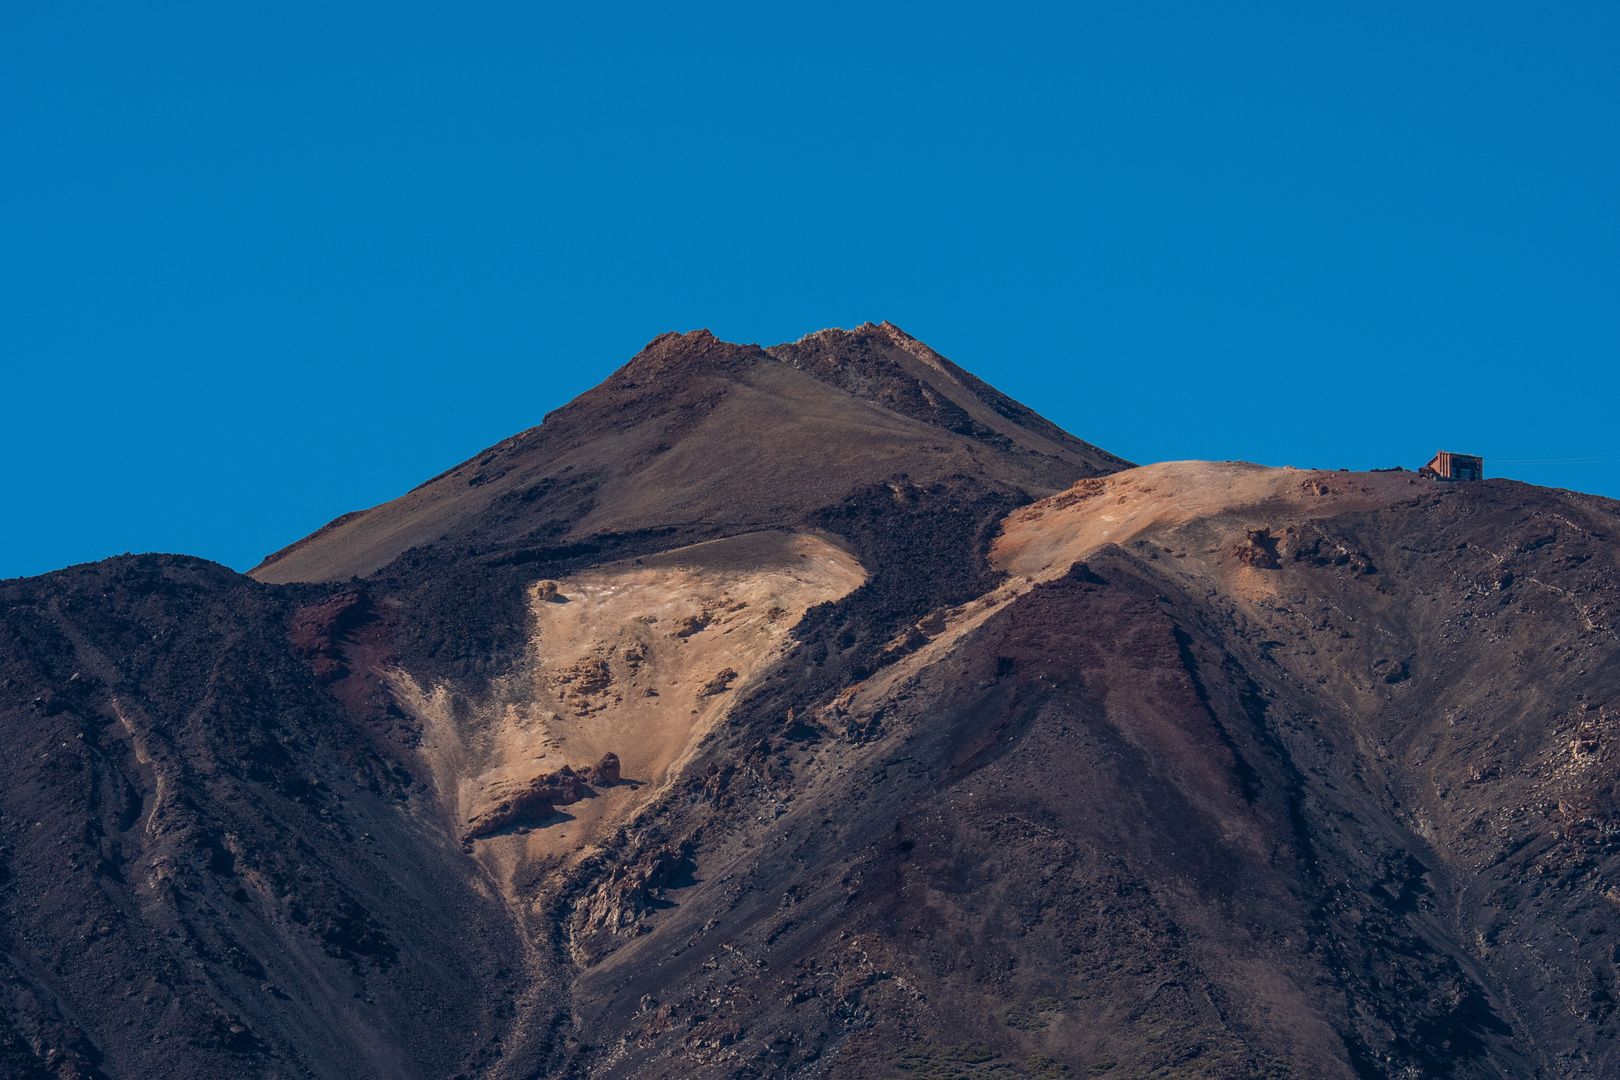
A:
(705, 437)
(816, 710)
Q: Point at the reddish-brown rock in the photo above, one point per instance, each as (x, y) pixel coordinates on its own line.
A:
(604, 772)
(529, 805)
(719, 684)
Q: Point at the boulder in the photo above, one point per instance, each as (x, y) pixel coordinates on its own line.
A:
(561, 787)
(719, 684)
(603, 773)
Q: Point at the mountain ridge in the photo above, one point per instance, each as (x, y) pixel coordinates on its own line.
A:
(673, 384)
(919, 741)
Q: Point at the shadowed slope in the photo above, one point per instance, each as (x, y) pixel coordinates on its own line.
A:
(208, 866)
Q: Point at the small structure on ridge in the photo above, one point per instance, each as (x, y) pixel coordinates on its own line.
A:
(1449, 466)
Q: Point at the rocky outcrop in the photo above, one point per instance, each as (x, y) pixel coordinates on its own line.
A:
(590, 676)
(628, 893)
(1258, 550)
(529, 805)
(690, 625)
(522, 808)
(318, 630)
(719, 684)
(604, 773)
(1311, 546)
(535, 801)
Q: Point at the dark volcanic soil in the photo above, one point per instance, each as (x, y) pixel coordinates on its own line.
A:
(1181, 771)
(1168, 813)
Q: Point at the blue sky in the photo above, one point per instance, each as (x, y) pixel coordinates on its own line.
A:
(264, 264)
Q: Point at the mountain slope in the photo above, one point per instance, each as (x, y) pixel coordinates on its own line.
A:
(258, 811)
(206, 863)
(1243, 772)
(816, 710)
(697, 432)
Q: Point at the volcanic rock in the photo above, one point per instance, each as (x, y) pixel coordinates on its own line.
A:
(1027, 769)
(532, 803)
(604, 773)
(719, 684)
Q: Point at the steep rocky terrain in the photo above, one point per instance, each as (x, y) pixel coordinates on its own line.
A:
(702, 437)
(1240, 772)
(817, 710)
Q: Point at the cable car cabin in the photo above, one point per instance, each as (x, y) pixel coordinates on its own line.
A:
(1447, 466)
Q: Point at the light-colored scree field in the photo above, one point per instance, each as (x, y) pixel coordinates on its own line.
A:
(1044, 539)
(1040, 542)
(638, 658)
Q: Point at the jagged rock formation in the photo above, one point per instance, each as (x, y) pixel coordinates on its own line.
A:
(604, 773)
(528, 804)
(924, 739)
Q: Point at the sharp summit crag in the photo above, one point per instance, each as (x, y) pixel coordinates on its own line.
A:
(817, 710)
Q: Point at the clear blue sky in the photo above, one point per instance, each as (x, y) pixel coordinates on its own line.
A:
(263, 264)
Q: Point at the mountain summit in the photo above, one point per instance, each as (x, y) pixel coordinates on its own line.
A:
(817, 710)
(698, 433)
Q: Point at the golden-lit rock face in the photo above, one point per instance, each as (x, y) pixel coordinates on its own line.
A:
(639, 659)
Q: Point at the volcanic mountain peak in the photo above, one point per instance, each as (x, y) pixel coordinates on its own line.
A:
(708, 437)
(701, 351)
(879, 351)
(817, 710)
(684, 354)
(883, 332)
